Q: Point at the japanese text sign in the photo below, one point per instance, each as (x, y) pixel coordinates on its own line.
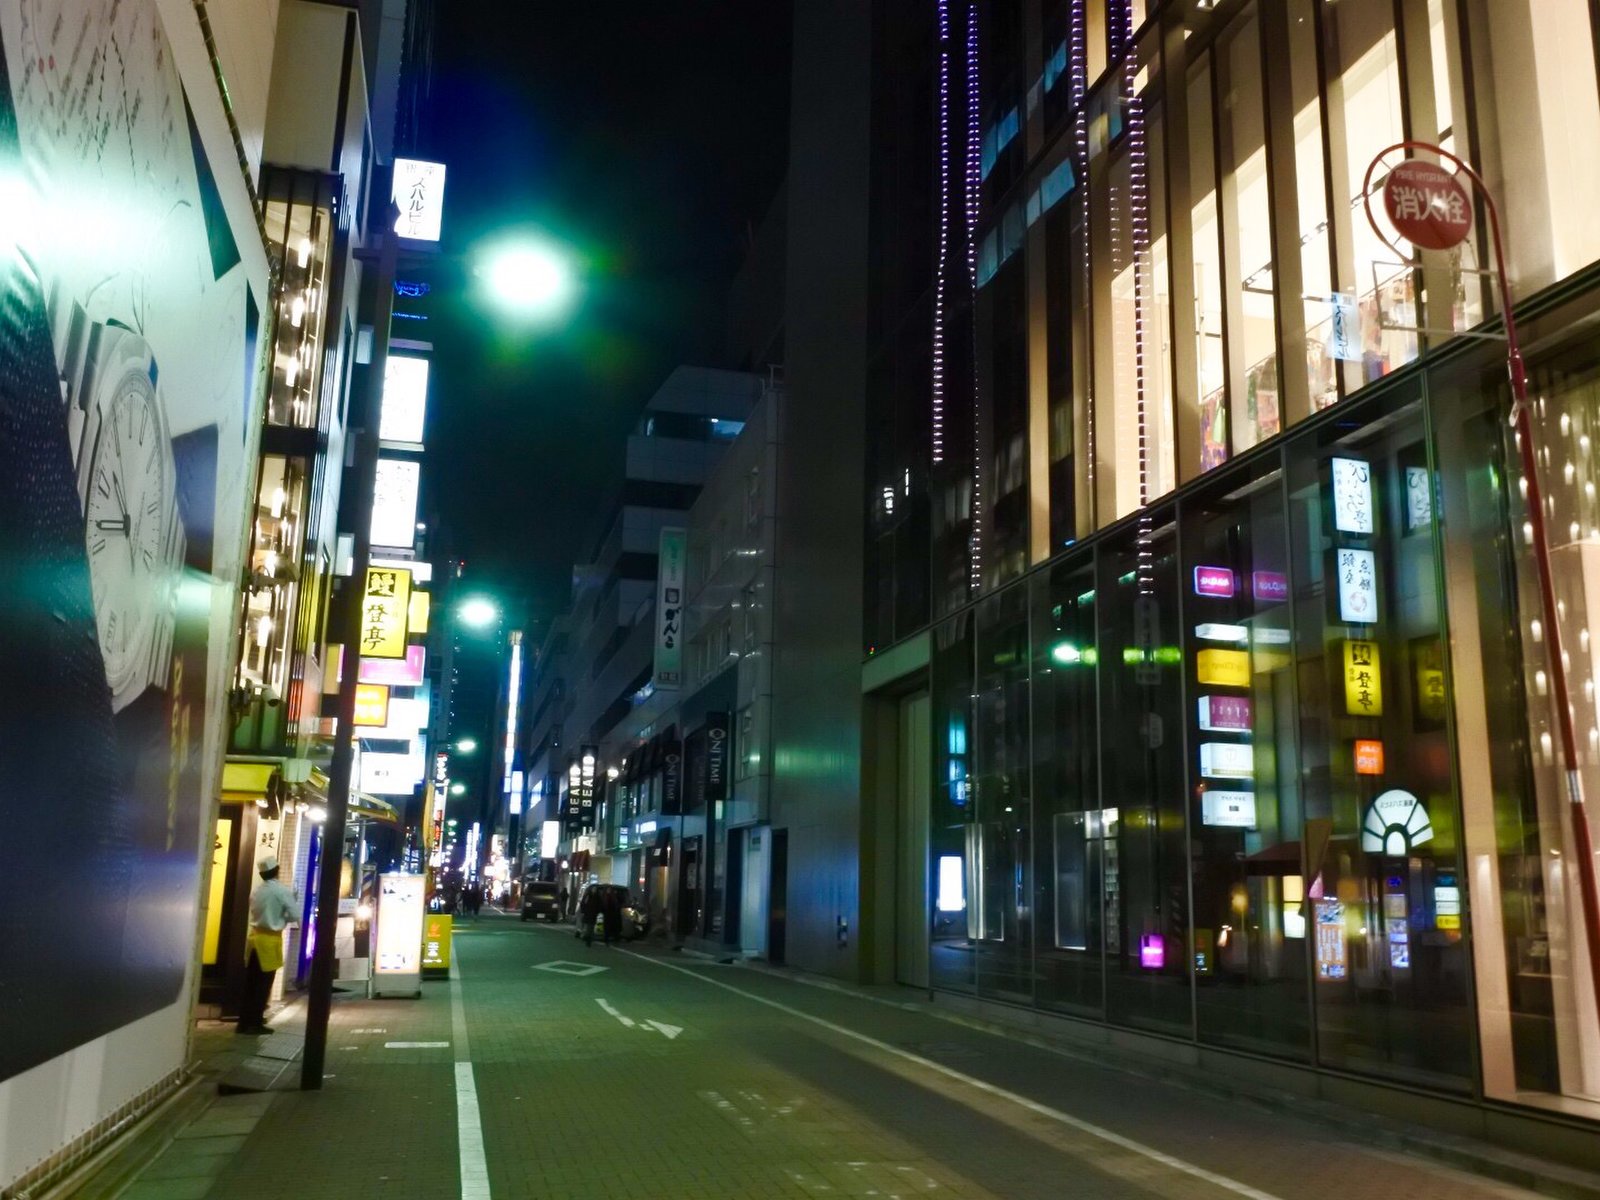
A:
(385, 613)
(1352, 495)
(670, 605)
(419, 194)
(1428, 205)
(1363, 679)
(372, 704)
(1358, 586)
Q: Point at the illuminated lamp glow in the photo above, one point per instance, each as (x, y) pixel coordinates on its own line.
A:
(952, 895)
(477, 613)
(531, 279)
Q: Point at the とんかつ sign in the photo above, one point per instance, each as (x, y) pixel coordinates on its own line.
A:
(1427, 205)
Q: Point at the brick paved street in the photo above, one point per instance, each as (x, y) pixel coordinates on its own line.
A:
(766, 1087)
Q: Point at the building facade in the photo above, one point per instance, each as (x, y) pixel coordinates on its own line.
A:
(1206, 687)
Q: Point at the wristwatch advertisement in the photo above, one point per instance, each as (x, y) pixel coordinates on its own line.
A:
(122, 455)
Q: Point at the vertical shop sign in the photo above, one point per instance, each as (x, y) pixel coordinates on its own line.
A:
(1358, 586)
(385, 613)
(1352, 495)
(1344, 328)
(672, 776)
(1363, 679)
(717, 740)
(418, 192)
(669, 610)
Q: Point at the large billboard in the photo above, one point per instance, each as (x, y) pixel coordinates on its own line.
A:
(132, 291)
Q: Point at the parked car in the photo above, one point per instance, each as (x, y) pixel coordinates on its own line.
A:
(541, 900)
(635, 919)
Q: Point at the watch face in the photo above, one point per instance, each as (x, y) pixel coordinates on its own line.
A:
(125, 512)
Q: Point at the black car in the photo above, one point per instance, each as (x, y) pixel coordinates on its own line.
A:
(541, 900)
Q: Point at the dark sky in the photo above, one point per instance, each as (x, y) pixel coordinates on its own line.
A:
(647, 137)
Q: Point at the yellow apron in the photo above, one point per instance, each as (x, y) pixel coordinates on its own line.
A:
(268, 947)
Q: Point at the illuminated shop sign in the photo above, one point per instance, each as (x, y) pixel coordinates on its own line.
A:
(1227, 760)
(1447, 903)
(385, 612)
(1363, 679)
(417, 612)
(394, 502)
(1358, 586)
(1211, 631)
(1223, 668)
(372, 704)
(670, 583)
(1352, 495)
(1331, 957)
(391, 774)
(1369, 756)
(1396, 824)
(1230, 810)
(405, 398)
(398, 951)
(1213, 581)
(1270, 587)
(401, 672)
(419, 194)
(1225, 714)
(1419, 498)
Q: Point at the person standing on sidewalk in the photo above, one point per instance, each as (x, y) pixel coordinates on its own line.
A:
(588, 910)
(612, 911)
(272, 908)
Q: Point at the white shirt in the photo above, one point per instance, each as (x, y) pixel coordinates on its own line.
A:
(272, 906)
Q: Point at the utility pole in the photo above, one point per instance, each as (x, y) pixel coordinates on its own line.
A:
(363, 477)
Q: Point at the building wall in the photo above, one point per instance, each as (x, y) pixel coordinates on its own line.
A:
(244, 31)
(817, 614)
(123, 857)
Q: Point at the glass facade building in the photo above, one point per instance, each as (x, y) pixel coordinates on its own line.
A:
(1207, 509)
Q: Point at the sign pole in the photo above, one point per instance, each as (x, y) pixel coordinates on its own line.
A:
(363, 477)
(1523, 426)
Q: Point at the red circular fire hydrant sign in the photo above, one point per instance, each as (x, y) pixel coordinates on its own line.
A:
(1428, 205)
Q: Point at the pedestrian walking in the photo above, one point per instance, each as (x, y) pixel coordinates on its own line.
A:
(588, 910)
(611, 909)
(272, 907)
(475, 900)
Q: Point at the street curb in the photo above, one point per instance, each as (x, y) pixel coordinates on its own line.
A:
(1476, 1158)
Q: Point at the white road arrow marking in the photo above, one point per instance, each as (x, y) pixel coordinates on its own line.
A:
(625, 1020)
(671, 1031)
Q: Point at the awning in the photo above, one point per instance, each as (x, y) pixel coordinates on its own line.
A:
(244, 781)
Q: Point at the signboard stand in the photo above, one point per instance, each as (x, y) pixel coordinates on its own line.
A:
(398, 936)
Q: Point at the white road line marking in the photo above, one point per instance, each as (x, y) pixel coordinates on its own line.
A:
(671, 1031)
(411, 1046)
(469, 1122)
(625, 1020)
(1033, 1106)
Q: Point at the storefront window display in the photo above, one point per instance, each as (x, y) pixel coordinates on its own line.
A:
(1210, 384)
(1246, 832)
(1069, 823)
(1381, 843)
(1144, 878)
(273, 586)
(999, 866)
(299, 222)
(955, 920)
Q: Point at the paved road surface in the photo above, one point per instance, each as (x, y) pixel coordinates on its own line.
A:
(553, 1071)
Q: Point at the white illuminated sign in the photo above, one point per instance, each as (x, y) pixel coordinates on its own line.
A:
(419, 194)
(1227, 760)
(1358, 586)
(398, 951)
(405, 398)
(549, 839)
(1213, 632)
(391, 774)
(1352, 495)
(1230, 810)
(952, 884)
(394, 502)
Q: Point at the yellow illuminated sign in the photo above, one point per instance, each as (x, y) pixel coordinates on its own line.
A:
(372, 704)
(1223, 668)
(417, 620)
(1363, 679)
(384, 612)
(436, 942)
(214, 893)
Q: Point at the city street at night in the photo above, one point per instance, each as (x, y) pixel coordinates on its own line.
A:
(637, 1072)
(1028, 560)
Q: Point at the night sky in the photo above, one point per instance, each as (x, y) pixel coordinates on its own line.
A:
(649, 139)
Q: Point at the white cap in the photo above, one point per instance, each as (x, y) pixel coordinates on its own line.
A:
(269, 864)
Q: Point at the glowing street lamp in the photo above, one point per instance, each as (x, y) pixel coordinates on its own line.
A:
(458, 789)
(466, 745)
(530, 279)
(478, 613)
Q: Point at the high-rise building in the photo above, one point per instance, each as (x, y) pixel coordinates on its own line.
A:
(1208, 691)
